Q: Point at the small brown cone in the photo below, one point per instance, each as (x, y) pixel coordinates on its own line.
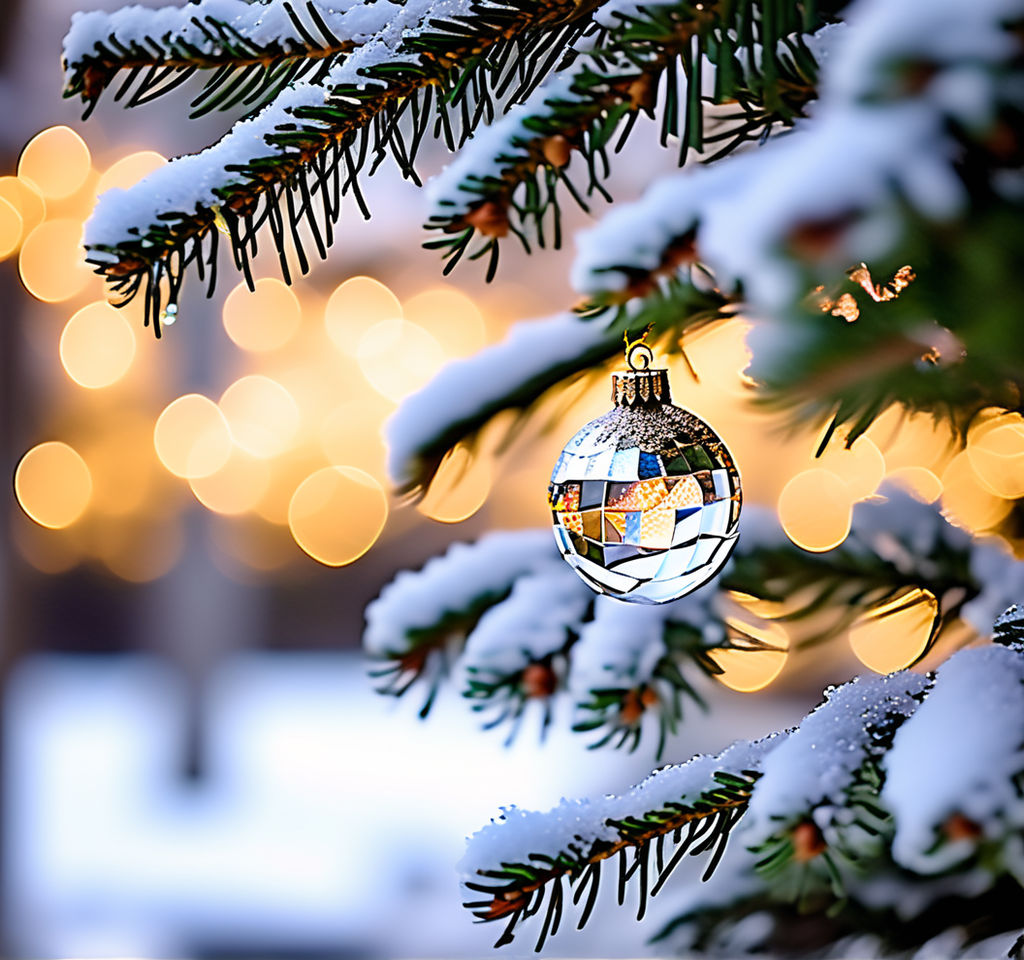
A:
(489, 218)
(539, 680)
(557, 151)
(807, 842)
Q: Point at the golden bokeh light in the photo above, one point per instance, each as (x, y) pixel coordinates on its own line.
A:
(57, 161)
(236, 487)
(355, 306)
(459, 489)
(398, 358)
(893, 635)
(919, 482)
(914, 440)
(966, 501)
(11, 228)
(351, 434)
(26, 199)
(815, 510)
(336, 514)
(861, 466)
(450, 317)
(97, 346)
(747, 671)
(997, 457)
(53, 484)
(52, 261)
(262, 320)
(129, 170)
(192, 437)
(262, 415)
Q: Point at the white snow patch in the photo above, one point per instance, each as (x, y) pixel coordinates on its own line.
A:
(957, 756)
(420, 598)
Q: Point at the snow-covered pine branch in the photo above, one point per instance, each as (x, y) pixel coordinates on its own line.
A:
(290, 164)
(946, 790)
(509, 177)
(517, 372)
(813, 805)
(513, 625)
(860, 156)
(520, 861)
(900, 147)
(255, 48)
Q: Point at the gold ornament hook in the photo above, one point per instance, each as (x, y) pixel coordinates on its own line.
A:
(639, 356)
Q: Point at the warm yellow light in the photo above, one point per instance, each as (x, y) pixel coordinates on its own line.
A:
(450, 317)
(53, 484)
(52, 261)
(57, 161)
(814, 509)
(356, 305)
(997, 457)
(351, 434)
(966, 501)
(26, 199)
(236, 487)
(398, 358)
(97, 346)
(11, 228)
(459, 489)
(894, 635)
(265, 319)
(191, 437)
(124, 468)
(262, 415)
(749, 670)
(861, 466)
(917, 440)
(919, 482)
(336, 514)
(129, 170)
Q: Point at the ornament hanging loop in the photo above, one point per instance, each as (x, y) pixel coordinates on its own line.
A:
(639, 356)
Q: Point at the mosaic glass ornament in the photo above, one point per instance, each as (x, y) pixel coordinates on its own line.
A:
(645, 499)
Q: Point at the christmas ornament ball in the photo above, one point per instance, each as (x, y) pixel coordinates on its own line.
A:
(645, 500)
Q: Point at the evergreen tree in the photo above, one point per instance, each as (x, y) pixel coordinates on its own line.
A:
(817, 138)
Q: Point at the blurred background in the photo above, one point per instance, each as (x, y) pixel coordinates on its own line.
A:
(194, 762)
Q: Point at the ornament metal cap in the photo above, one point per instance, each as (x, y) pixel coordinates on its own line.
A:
(640, 385)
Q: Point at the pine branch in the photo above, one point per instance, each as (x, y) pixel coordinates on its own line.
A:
(289, 166)
(690, 808)
(420, 621)
(520, 373)
(876, 137)
(937, 829)
(510, 178)
(254, 50)
(521, 629)
(856, 795)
